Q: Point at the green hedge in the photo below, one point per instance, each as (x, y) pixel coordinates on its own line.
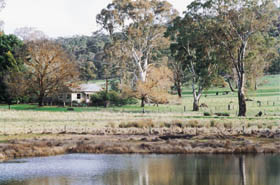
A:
(112, 98)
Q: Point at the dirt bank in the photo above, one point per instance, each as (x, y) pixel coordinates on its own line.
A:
(144, 141)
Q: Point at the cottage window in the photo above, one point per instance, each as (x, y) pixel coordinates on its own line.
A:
(78, 96)
(61, 96)
(68, 96)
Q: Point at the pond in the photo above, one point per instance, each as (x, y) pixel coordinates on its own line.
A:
(88, 169)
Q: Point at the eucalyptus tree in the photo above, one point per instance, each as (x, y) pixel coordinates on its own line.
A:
(195, 53)
(235, 24)
(142, 24)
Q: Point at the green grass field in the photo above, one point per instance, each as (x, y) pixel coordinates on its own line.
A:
(268, 94)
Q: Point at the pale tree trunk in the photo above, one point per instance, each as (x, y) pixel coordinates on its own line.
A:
(256, 84)
(241, 80)
(142, 64)
(196, 96)
(196, 104)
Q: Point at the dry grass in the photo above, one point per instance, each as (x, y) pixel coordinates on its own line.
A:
(18, 122)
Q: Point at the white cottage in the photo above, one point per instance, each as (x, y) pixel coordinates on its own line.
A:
(80, 95)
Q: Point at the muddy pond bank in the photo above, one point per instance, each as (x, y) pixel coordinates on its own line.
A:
(144, 141)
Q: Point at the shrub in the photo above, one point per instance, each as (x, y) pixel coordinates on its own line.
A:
(111, 98)
(167, 125)
(222, 114)
(115, 85)
(207, 114)
(70, 109)
(212, 123)
(177, 123)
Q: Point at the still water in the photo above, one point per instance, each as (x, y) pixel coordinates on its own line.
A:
(86, 169)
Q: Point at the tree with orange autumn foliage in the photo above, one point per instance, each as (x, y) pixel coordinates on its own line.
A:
(155, 88)
(49, 69)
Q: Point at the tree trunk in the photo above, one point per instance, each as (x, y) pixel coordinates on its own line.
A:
(40, 100)
(196, 96)
(242, 103)
(107, 86)
(241, 79)
(143, 102)
(256, 85)
(196, 104)
(241, 96)
(179, 89)
(230, 85)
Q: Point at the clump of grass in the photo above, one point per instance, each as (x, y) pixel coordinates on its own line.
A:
(228, 125)
(271, 125)
(178, 123)
(193, 123)
(138, 124)
(213, 123)
(111, 125)
(164, 124)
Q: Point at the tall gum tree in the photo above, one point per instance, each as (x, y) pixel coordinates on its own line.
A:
(142, 24)
(191, 47)
(234, 24)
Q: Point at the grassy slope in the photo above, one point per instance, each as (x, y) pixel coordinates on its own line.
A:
(268, 93)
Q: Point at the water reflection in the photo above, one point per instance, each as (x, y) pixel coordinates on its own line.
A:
(144, 170)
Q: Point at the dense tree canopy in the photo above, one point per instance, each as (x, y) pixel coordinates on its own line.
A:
(86, 50)
(49, 69)
(9, 45)
(194, 52)
(234, 24)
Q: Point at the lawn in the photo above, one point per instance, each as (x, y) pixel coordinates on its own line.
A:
(31, 119)
(268, 94)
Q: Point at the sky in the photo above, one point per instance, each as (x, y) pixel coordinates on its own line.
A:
(59, 17)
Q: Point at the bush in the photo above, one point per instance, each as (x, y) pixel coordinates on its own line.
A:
(115, 85)
(222, 114)
(213, 123)
(207, 114)
(111, 98)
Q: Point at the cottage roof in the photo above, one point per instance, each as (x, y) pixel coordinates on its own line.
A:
(88, 88)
